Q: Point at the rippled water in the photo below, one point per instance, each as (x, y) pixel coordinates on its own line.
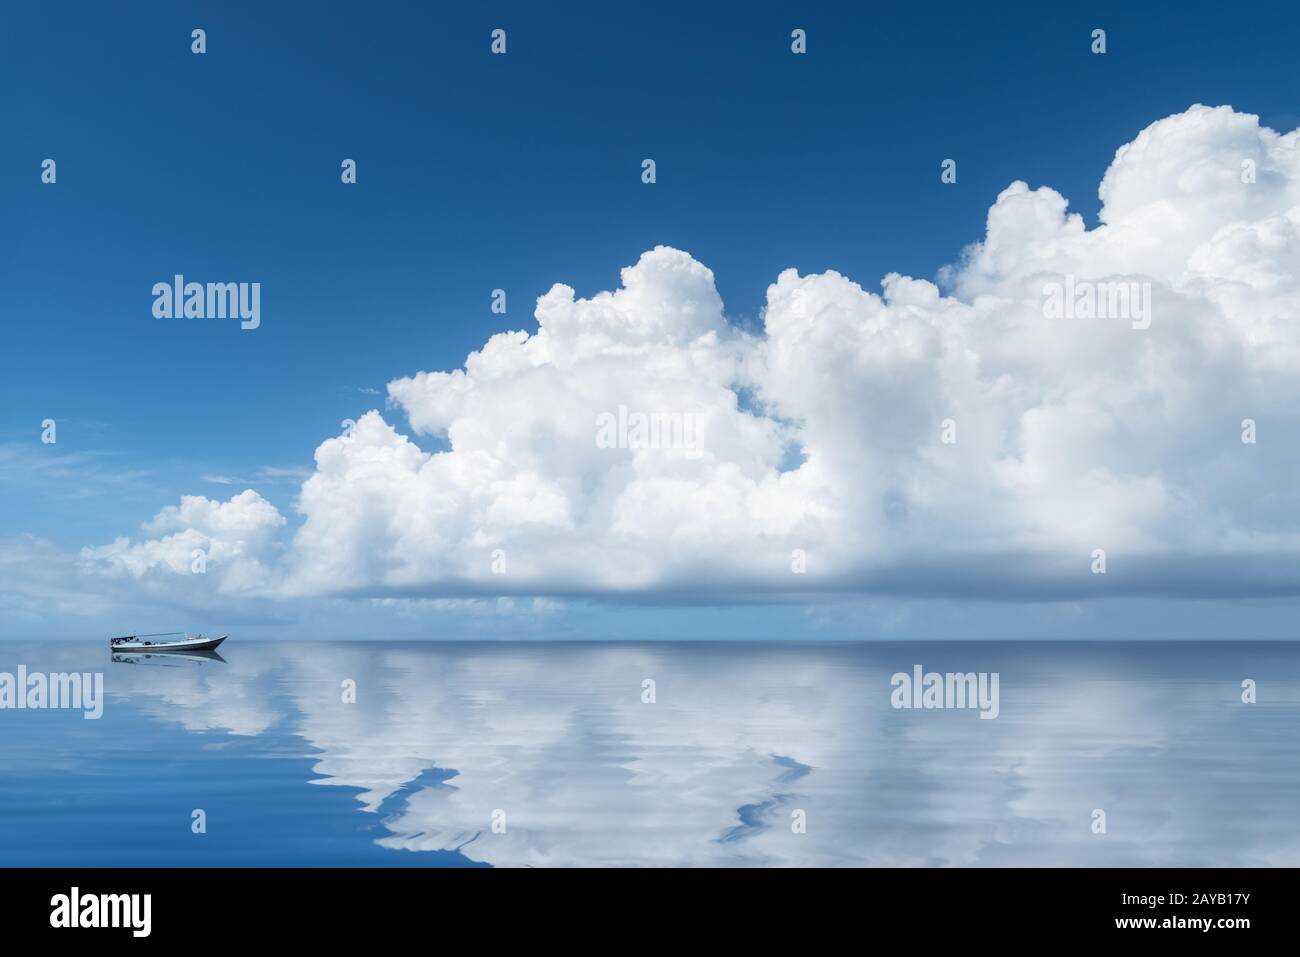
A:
(555, 742)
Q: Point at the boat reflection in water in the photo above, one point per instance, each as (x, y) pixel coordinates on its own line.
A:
(166, 658)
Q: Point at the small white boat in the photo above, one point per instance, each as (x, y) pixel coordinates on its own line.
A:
(179, 641)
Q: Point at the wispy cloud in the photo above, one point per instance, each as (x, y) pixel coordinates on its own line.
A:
(264, 475)
(276, 473)
(78, 474)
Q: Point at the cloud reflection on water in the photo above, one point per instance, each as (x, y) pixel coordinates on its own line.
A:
(443, 735)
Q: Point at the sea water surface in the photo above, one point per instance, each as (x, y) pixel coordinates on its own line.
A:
(749, 754)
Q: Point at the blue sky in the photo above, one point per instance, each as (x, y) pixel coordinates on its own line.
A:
(478, 172)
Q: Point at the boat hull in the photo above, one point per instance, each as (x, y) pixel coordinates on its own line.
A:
(197, 644)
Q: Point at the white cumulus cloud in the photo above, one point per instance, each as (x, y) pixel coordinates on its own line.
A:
(229, 539)
(822, 434)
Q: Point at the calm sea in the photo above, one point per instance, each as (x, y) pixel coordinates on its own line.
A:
(509, 754)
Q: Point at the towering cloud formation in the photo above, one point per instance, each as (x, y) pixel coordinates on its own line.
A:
(955, 441)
